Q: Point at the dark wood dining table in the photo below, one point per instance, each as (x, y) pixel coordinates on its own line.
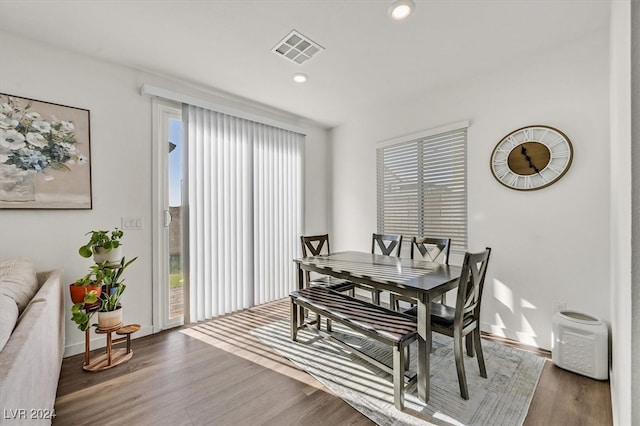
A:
(422, 280)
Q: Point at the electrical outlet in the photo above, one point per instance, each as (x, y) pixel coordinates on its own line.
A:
(559, 305)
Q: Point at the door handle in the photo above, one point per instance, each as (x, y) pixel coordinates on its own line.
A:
(167, 218)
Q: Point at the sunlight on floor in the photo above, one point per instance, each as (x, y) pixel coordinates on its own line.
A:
(229, 334)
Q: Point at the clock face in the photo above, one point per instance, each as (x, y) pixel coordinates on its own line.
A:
(531, 158)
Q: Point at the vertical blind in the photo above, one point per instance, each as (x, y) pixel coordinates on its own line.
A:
(422, 187)
(244, 198)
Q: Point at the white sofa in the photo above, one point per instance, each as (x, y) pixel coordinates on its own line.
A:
(31, 342)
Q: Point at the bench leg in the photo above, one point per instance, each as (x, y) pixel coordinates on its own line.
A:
(302, 314)
(294, 321)
(398, 377)
(407, 357)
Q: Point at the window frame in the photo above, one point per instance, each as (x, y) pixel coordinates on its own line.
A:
(418, 142)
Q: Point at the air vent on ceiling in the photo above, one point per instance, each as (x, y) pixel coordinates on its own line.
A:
(297, 48)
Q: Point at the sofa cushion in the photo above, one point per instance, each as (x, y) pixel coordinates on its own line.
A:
(8, 318)
(18, 281)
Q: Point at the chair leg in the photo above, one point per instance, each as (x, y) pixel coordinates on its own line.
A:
(478, 345)
(469, 344)
(462, 378)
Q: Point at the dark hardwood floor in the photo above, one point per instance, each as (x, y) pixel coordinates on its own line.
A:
(226, 376)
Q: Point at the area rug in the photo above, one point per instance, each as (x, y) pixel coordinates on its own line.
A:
(501, 399)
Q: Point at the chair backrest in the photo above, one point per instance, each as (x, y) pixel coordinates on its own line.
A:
(389, 245)
(314, 245)
(432, 249)
(474, 269)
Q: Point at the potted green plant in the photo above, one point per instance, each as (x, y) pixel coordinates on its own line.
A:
(104, 246)
(85, 293)
(107, 278)
(110, 311)
(81, 312)
(82, 287)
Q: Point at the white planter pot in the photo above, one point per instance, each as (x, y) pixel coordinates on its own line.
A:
(111, 319)
(111, 256)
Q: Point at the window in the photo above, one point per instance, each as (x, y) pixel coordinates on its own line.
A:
(422, 185)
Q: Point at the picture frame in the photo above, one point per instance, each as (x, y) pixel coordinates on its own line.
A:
(45, 155)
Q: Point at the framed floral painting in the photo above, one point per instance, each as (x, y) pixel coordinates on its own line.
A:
(45, 160)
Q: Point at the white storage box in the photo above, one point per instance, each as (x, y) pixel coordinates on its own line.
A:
(581, 344)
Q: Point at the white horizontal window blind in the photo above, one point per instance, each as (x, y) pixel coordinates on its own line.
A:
(422, 187)
(245, 213)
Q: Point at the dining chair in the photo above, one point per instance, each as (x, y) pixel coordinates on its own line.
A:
(317, 245)
(388, 245)
(428, 248)
(463, 321)
(432, 249)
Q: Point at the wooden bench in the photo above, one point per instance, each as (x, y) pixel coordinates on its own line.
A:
(384, 325)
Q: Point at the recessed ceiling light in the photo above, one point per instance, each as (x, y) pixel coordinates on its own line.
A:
(299, 77)
(400, 9)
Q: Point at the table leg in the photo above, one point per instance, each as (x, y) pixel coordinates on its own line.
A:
(300, 287)
(424, 347)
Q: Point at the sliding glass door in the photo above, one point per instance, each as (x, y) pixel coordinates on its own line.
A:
(176, 202)
(169, 202)
(228, 198)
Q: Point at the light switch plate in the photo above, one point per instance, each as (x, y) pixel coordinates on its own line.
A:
(132, 223)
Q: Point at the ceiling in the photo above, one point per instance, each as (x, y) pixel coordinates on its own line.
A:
(368, 59)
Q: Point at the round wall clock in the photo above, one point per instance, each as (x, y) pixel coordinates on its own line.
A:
(531, 158)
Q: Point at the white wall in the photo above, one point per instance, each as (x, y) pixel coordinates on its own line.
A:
(315, 184)
(551, 244)
(120, 165)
